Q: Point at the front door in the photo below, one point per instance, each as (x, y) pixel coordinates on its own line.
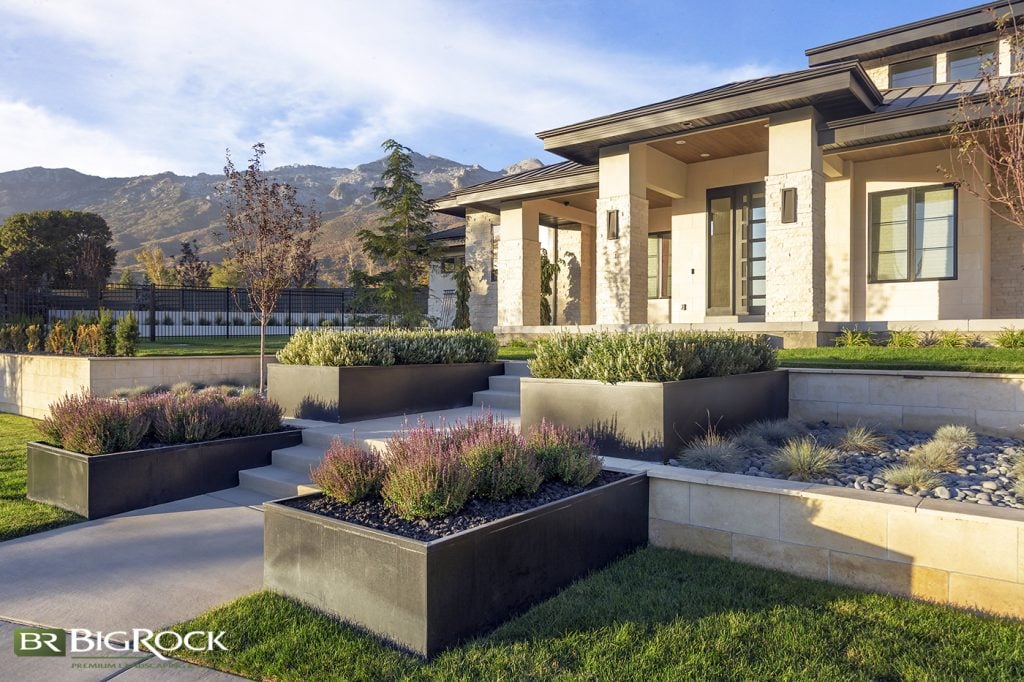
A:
(736, 250)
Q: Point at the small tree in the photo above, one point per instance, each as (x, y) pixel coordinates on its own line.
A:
(155, 268)
(461, 275)
(127, 278)
(192, 271)
(987, 134)
(55, 248)
(400, 246)
(265, 225)
(225, 275)
(548, 270)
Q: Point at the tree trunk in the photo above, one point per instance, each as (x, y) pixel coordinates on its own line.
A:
(263, 344)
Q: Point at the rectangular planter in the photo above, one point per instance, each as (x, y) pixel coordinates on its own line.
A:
(653, 420)
(94, 486)
(353, 393)
(427, 596)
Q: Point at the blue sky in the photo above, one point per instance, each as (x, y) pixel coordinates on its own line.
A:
(126, 87)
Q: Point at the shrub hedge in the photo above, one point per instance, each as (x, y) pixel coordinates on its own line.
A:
(96, 426)
(335, 348)
(651, 356)
(77, 335)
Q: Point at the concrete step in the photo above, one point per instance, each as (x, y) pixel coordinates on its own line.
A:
(509, 383)
(517, 368)
(321, 439)
(503, 400)
(275, 481)
(299, 458)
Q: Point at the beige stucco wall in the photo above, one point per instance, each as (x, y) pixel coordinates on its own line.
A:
(1007, 276)
(689, 228)
(30, 383)
(989, 403)
(941, 551)
(966, 297)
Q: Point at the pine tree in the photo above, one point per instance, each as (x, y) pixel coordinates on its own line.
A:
(400, 245)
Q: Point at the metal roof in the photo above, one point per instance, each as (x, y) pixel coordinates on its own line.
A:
(451, 234)
(555, 170)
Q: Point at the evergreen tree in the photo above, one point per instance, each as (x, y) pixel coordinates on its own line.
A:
(461, 277)
(192, 270)
(400, 246)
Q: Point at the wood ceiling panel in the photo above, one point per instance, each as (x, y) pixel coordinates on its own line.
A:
(717, 144)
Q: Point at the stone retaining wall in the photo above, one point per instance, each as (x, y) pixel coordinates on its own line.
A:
(989, 403)
(947, 552)
(29, 383)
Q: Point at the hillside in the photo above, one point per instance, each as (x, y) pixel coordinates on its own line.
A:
(165, 209)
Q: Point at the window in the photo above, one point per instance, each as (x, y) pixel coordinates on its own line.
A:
(659, 265)
(969, 63)
(913, 234)
(914, 72)
(450, 264)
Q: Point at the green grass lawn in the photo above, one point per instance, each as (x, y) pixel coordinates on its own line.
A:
(210, 345)
(19, 515)
(1008, 360)
(655, 615)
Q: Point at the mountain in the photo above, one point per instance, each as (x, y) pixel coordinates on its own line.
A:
(165, 209)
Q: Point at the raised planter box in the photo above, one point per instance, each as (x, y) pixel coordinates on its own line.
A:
(94, 486)
(653, 420)
(353, 393)
(427, 596)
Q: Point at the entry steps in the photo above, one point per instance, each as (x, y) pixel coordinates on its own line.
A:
(288, 473)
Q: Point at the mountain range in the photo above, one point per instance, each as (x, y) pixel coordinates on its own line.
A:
(163, 210)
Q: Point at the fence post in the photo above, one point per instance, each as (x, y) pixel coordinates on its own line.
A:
(227, 313)
(290, 320)
(152, 312)
(342, 308)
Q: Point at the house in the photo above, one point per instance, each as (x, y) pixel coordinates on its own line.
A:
(451, 246)
(794, 204)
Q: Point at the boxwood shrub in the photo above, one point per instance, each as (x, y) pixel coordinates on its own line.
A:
(336, 348)
(651, 356)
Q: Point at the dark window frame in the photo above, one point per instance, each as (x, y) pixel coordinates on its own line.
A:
(665, 264)
(994, 44)
(935, 71)
(910, 193)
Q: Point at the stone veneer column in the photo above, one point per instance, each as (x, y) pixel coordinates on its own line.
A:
(588, 261)
(795, 252)
(483, 291)
(621, 264)
(518, 266)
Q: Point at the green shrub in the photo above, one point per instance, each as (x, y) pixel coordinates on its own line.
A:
(952, 339)
(187, 322)
(168, 321)
(108, 332)
(34, 334)
(501, 464)
(650, 356)
(805, 459)
(855, 338)
(238, 321)
(204, 322)
(126, 341)
(858, 438)
(336, 348)
(712, 451)
(935, 455)
(775, 432)
(58, 340)
(564, 454)
(348, 473)
(956, 435)
(911, 476)
(1010, 338)
(96, 426)
(903, 338)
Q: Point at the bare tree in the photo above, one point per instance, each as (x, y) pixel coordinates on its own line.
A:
(266, 225)
(987, 134)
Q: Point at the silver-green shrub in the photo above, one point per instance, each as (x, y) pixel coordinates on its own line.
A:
(336, 348)
(651, 356)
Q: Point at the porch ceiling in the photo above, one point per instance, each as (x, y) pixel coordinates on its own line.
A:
(716, 144)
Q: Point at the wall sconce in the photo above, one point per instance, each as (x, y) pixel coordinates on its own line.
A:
(789, 205)
(613, 224)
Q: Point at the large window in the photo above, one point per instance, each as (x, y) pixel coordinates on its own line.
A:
(913, 234)
(659, 265)
(914, 72)
(970, 62)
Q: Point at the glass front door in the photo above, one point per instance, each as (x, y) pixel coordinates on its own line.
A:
(736, 250)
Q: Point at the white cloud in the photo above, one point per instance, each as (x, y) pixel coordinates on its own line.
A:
(321, 82)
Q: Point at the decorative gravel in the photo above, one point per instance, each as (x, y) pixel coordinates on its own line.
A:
(375, 514)
(983, 476)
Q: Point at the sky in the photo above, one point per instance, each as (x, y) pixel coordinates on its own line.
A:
(131, 87)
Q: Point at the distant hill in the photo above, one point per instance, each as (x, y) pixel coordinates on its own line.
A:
(166, 209)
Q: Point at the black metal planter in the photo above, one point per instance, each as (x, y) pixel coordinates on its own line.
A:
(427, 596)
(353, 393)
(101, 485)
(653, 421)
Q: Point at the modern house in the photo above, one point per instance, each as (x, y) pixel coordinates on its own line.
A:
(794, 204)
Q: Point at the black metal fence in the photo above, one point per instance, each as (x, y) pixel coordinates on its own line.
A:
(183, 311)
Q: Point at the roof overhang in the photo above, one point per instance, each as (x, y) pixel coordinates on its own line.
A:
(838, 90)
(579, 179)
(965, 23)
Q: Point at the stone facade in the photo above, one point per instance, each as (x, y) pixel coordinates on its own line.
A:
(621, 291)
(795, 267)
(481, 233)
(1007, 269)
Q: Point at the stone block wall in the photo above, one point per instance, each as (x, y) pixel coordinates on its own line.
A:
(1007, 253)
(795, 267)
(483, 298)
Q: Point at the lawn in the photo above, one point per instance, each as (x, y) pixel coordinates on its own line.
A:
(18, 515)
(655, 615)
(1008, 360)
